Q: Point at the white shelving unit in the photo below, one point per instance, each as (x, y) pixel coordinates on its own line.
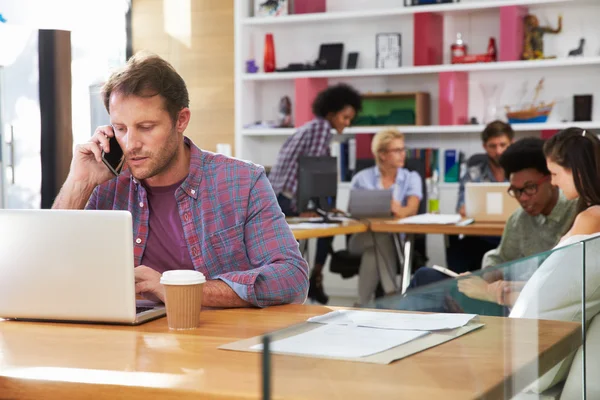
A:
(354, 22)
(432, 129)
(464, 7)
(431, 69)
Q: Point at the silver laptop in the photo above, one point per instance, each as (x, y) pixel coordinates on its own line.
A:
(67, 265)
(370, 203)
(489, 201)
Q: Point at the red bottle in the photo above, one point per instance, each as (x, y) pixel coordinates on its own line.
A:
(269, 60)
(492, 52)
(458, 49)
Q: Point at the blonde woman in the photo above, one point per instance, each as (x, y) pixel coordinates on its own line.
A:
(378, 263)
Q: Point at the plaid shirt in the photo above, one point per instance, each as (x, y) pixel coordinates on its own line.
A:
(233, 227)
(312, 139)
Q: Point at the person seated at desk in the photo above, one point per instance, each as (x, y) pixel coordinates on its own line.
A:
(573, 159)
(544, 217)
(553, 290)
(378, 262)
(573, 162)
(191, 209)
(334, 108)
(496, 138)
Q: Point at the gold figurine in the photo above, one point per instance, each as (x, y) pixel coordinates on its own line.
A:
(533, 48)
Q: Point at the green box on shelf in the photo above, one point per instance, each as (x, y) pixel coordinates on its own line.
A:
(380, 109)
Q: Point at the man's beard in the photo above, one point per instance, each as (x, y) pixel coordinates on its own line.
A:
(160, 162)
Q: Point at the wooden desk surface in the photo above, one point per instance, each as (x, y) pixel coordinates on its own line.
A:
(345, 228)
(474, 229)
(59, 361)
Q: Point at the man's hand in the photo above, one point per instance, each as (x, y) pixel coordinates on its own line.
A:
(476, 288)
(462, 211)
(147, 283)
(338, 213)
(87, 165)
(87, 171)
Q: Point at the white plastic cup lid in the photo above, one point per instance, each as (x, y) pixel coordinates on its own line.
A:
(182, 277)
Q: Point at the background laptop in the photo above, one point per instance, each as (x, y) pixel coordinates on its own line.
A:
(69, 265)
(370, 203)
(489, 201)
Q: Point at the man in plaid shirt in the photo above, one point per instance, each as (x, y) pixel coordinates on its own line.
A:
(334, 108)
(191, 209)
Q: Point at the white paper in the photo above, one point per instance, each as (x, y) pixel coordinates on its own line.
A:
(342, 341)
(394, 321)
(430, 219)
(311, 225)
(494, 204)
(303, 219)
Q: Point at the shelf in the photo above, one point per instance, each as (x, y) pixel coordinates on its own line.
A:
(433, 129)
(396, 11)
(429, 69)
(268, 132)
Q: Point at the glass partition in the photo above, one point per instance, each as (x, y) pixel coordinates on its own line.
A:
(533, 309)
(586, 368)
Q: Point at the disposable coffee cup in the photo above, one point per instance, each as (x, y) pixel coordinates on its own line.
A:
(183, 298)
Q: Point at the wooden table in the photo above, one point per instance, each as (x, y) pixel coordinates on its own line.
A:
(344, 228)
(474, 229)
(60, 361)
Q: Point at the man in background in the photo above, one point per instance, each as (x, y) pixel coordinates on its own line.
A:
(465, 254)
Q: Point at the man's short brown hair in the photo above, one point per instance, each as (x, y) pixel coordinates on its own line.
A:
(148, 75)
(496, 129)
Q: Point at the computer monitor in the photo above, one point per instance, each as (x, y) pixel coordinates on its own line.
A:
(317, 184)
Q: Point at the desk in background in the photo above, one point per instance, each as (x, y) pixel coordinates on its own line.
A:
(474, 229)
(344, 228)
(58, 361)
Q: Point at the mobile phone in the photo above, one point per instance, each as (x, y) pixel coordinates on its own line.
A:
(113, 160)
(445, 271)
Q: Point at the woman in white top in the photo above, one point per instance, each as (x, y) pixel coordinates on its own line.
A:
(407, 191)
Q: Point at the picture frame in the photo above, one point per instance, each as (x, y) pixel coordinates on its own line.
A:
(271, 8)
(388, 50)
(352, 62)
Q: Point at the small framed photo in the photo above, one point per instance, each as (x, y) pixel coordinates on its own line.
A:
(389, 50)
(271, 8)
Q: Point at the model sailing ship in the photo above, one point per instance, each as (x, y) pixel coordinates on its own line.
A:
(532, 113)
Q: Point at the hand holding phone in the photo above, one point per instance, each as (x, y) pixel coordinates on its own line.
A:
(114, 159)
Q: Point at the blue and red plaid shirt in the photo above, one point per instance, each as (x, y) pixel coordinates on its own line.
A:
(233, 227)
(312, 139)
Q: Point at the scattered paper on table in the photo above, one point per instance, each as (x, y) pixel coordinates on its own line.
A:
(295, 220)
(311, 225)
(342, 341)
(430, 219)
(394, 321)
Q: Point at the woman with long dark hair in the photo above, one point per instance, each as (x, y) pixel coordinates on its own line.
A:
(573, 158)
